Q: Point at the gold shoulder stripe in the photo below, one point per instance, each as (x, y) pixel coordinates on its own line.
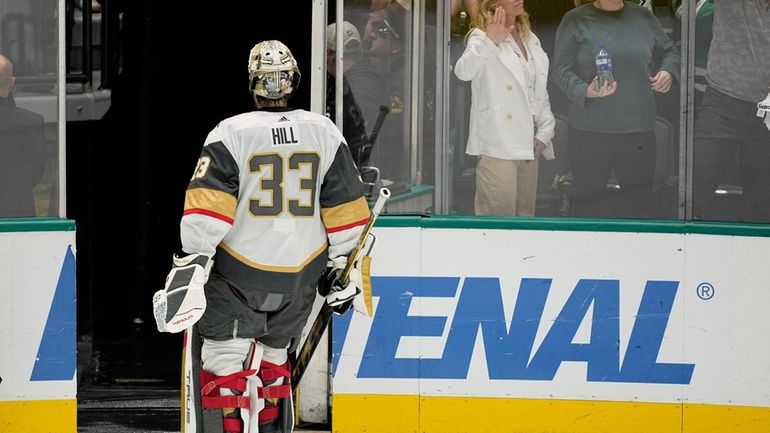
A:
(263, 267)
(211, 200)
(345, 214)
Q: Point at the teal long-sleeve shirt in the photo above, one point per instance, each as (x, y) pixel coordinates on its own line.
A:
(639, 49)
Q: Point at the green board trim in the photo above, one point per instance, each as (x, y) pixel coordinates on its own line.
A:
(18, 225)
(574, 224)
(414, 190)
(729, 229)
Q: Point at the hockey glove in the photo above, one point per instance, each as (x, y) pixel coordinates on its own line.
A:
(338, 295)
(181, 303)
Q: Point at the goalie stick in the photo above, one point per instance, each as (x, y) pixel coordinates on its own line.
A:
(325, 315)
(366, 150)
(384, 110)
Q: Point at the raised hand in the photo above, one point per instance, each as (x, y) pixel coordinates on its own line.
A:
(496, 29)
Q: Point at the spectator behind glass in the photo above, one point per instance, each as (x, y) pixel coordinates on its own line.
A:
(462, 11)
(612, 126)
(704, 23)
(366, 84)
(385, 39)
(22, 150)
(738, 76)
(353, 122)
(511, 123)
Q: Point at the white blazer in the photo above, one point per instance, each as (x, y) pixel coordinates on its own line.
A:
(501, 121)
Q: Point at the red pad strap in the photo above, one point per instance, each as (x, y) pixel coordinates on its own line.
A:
(225, 401)
(235, 381)
(268, 413)
(269, 372)
(232, 425)
(275, 391)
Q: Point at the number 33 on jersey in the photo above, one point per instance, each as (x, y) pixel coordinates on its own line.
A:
(258, 186)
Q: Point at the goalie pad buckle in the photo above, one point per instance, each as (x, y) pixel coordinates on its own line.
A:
(276, 387)
(211, 384)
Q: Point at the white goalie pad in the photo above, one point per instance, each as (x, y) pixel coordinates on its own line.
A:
(261, 367)
(190, 407)
(182, 302)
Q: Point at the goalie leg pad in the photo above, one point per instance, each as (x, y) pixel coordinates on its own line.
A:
(193, 418)
(213, 396)
(224, 384)
(272, 387)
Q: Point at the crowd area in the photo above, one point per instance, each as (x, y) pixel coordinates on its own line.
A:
(556, 108)
(537, 127)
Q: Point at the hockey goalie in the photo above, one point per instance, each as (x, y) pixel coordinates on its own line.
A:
(274, 205)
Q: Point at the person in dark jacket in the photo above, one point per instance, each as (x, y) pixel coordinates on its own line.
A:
(727, 124)
(22, 150)
(366, 82)
(353, 119)
(612, 126)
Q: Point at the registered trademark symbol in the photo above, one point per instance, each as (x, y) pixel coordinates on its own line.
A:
(705, 291)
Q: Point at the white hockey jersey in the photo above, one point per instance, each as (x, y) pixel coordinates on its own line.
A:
(275, 191)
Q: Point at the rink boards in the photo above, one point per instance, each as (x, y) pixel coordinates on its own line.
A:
(542, 326)
(37, 326)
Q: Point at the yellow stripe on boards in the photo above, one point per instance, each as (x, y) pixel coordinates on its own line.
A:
(701, 418)
(45, 416)
(405, 414)
(557, 416)
(375, 413)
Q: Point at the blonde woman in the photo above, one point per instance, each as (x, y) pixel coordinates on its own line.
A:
(511, 124)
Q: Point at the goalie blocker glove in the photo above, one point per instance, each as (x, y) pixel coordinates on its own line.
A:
(181, 303)
(340, 296)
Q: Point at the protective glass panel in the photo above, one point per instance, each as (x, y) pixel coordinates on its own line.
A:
(533, 90)
(731, 148)
(29, 179)
(389, 96)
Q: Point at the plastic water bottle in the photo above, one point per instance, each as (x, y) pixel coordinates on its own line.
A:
(763, 110)
(603, 67)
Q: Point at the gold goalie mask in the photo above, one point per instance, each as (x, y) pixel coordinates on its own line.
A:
(273, 71)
